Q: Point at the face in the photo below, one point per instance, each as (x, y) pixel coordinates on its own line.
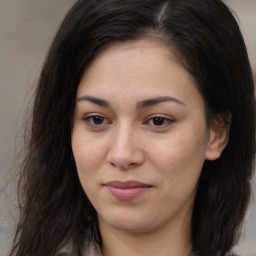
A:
(139, 137)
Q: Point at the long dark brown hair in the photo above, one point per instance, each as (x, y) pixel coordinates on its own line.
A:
(206, 38)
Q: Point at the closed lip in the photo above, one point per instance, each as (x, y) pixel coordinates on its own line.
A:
(127, 184)
(127, 190)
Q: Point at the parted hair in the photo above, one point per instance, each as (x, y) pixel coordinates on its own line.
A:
(205, 36)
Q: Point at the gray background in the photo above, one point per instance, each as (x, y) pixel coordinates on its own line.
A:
(26, 29)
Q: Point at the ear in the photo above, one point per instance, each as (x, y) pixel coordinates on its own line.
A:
(218, 136)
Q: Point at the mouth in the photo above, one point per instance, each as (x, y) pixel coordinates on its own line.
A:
(127, 190)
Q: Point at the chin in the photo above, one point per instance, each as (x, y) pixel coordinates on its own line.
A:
(127, 223)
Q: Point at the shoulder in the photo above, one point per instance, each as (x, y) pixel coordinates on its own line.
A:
(64, 254)
(196, 253)
(91, 250)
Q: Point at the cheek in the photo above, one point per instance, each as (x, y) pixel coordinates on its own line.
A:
(179, 163)
(89, 154)
(179, 156)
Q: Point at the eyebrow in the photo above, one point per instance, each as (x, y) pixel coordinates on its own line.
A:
(95, 100)
(158, 100)
(141, 104)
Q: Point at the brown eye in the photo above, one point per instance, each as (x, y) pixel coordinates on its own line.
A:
(158, 121)
(96, 120)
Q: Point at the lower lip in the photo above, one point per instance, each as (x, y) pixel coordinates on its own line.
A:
(127, 193)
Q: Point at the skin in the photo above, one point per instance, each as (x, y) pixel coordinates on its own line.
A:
(116, 136)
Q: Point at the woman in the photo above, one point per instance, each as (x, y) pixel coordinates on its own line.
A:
(142, 133)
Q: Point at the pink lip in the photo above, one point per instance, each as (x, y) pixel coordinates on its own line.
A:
(127, 190)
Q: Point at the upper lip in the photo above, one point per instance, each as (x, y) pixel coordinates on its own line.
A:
(126, 184)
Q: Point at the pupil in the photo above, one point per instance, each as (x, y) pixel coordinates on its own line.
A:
(158, 121)
(98, 120)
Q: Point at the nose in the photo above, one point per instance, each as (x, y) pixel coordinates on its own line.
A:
(125, 151)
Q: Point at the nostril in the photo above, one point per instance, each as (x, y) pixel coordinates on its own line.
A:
(133, 164)
(113, 164)
(124, 166)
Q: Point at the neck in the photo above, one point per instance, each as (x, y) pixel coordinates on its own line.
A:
(121, 243)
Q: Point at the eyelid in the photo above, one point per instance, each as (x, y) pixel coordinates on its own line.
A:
(90, 116)
(167, 119)
(88, 119)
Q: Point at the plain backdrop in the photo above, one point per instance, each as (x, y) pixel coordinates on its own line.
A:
(26, 29)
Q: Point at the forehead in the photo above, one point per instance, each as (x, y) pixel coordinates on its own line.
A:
(134, 53)
(134, 69)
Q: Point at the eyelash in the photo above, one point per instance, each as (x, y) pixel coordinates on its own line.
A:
(91, 120)
(164, 121)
